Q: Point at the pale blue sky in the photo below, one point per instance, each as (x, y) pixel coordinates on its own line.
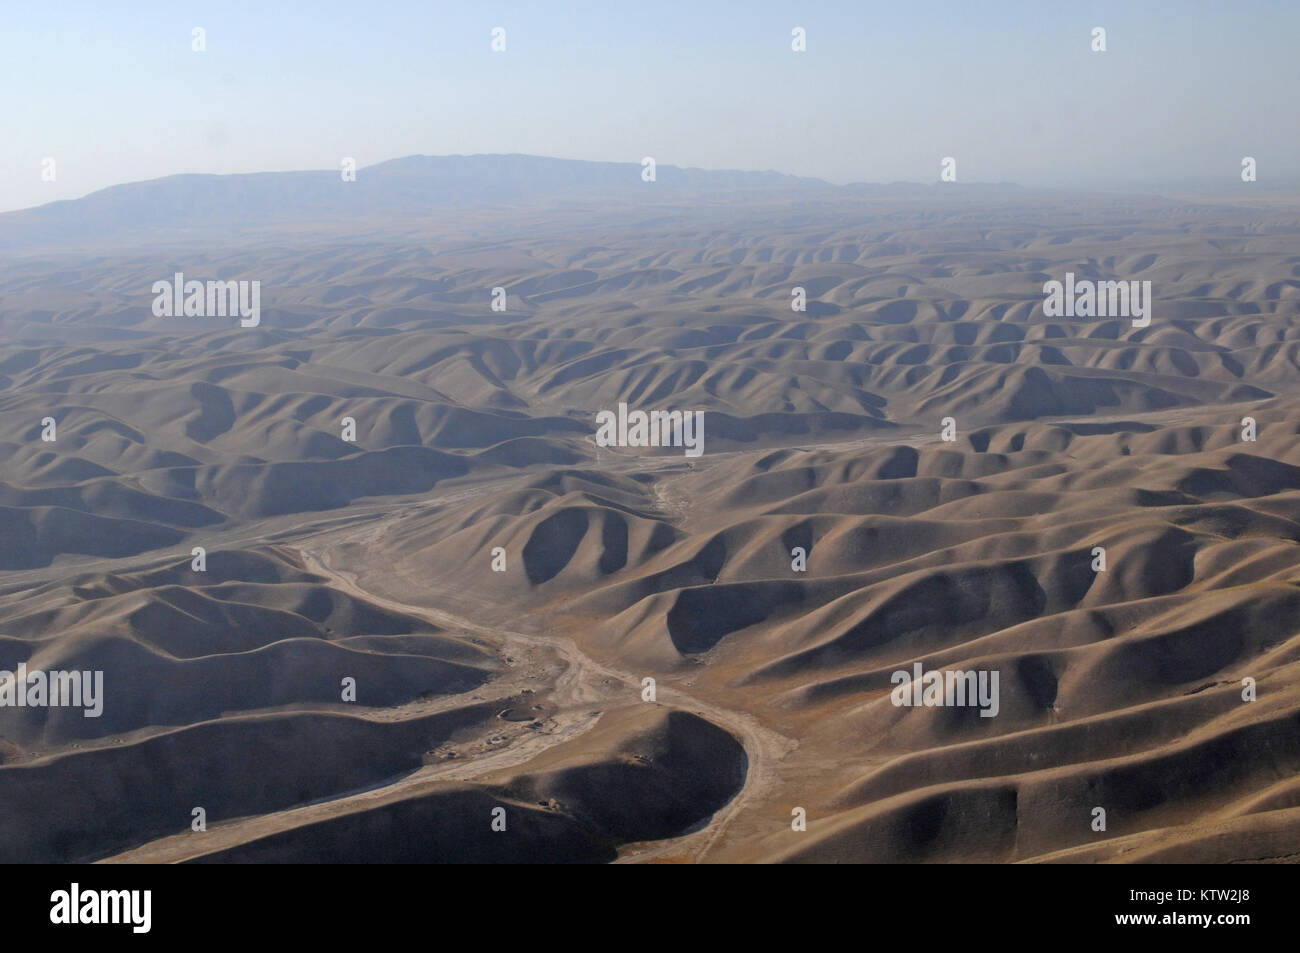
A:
(112, 90)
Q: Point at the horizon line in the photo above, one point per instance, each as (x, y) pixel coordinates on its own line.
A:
(1153, 187)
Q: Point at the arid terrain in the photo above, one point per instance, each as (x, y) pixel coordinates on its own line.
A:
(498, 586)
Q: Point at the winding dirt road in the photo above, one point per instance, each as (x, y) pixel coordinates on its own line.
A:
(582, 689)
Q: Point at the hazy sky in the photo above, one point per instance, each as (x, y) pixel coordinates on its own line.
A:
(113, 91)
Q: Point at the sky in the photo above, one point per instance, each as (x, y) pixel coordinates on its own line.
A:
(113, 91)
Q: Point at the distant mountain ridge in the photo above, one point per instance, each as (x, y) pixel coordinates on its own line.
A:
(396, 189)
